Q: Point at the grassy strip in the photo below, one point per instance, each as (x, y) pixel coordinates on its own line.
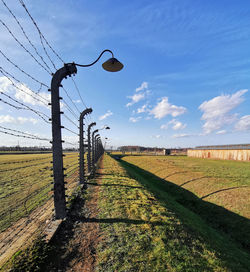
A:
(147, 230)
(235, 226)
(222, 182)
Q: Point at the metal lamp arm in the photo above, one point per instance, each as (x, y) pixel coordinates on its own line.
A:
(87, 65)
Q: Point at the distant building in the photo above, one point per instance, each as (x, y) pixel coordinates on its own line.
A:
(239, 152)
(153, 150)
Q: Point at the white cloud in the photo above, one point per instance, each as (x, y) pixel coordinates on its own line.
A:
(7, 119)
(216, 111)
(143, 86)
(23, 120)
(164, 126)
(77, 101)
(182, 135)
(176, 125)
(135, 98)
(19, 120)
(71, 139)
(164, 108)
(243, 124)
(24, 93)
(26, 96)
(221, 132)
(157, 136)
(5, 85)
(106, 115)
(142, 109)
(134, 119)
(139, 96)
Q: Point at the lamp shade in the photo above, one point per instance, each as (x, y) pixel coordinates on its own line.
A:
(112, 65)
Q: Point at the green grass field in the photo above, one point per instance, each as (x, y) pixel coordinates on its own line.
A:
(218, 191)
(225, 183)
(145, 229)
(25, 183)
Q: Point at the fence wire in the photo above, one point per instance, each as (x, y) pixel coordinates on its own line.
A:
(26, 178)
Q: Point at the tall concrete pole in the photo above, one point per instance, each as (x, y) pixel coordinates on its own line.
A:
(93, 151)
(59, 189)
(81, 144)
(89, 146)
(96, 147)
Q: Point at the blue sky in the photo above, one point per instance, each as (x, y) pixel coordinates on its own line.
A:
(186, 69)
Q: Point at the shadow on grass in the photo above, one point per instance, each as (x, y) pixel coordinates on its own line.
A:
(222, 190)
(175, 173)
(188, 181)
(236, 227)
(61, 257)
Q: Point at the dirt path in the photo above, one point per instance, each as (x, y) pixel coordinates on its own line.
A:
(76, 242)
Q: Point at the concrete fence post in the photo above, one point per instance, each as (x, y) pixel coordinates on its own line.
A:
(93, 152)
(58, 170)
(95, 148)
(89, 147)
(81, 144)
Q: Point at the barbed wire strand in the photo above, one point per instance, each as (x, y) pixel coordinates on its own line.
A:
(27, 108)
(21, 70)
(7, 103)
(8, 75)
(41, 39)
(23, 136)
(18, 131)
(39, 31)
(78, 91)
(25, 35)
(22, 167)
(25, 49)
(71, 131)
(71, 99)
(24, 161)
(70, 121)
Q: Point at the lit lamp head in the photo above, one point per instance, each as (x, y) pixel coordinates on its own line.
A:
(112, 65)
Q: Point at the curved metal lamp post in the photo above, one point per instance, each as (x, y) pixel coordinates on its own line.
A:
(111, 65)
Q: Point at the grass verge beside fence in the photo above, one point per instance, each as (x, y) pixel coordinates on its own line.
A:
(147, 230)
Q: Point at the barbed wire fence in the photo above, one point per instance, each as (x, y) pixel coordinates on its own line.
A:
(27, 182)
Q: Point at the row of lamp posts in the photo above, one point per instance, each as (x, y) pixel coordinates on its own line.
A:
(111, 65)
(94, 147)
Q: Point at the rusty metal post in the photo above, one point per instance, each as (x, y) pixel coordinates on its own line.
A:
(59, 189)
(81, 144)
